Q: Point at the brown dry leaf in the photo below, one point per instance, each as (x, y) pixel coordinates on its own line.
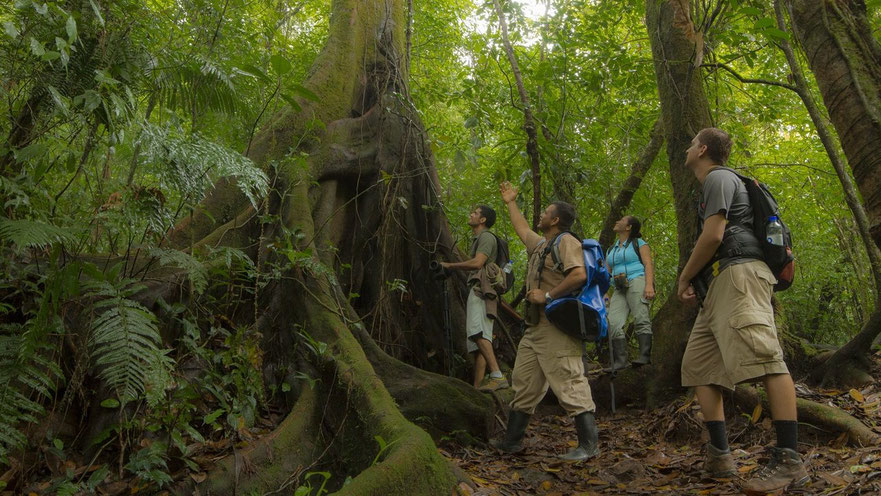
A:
(757, 413)
(833, 480)
(479, 480)
(548, 468)
(857, 395)
(746, 468)
(546, 485)
(199, 477)
(597, 482)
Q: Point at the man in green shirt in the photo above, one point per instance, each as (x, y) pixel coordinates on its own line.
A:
(479, 327)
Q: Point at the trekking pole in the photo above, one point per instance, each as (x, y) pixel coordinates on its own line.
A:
(612, 371)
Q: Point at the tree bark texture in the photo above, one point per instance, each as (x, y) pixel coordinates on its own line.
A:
(846, 61)
(528, 119)
(637, 172)
(844, 366)
(676, 50)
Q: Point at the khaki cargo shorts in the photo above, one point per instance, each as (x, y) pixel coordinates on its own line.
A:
(734, 338)
(477, 324)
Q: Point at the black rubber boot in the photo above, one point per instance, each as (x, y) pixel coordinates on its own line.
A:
(645, 350)
(619, 353)
(511, 442)
(588, 443)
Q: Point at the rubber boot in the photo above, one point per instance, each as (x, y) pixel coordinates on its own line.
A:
(588, 443)
(619, 353)
(511, 442)
(645, 350)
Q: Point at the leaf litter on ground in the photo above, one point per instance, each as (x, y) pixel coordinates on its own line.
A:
(661, 451)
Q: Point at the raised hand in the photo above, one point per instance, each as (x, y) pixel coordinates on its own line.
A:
(509, 192)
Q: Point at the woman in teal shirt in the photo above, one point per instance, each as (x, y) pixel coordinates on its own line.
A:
(634, 287)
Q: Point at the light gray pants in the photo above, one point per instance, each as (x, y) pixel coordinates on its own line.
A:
(630, 302)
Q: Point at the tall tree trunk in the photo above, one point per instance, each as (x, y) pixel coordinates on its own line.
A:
(846, 61)
(637, 172)
(528, 119)
(677, 53)
(362, 219)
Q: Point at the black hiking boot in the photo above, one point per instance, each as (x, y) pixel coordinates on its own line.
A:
(511, 442)
(588, 443)
(645, 350)
(619, 355)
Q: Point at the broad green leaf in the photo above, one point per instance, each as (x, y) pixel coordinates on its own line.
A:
(11, 29)
(304, 92)
(291, 101)
(110, 403)
(31, 152)
(765, 22)
(280, 65)
(256, 72)
(70, 27)
(37, 48)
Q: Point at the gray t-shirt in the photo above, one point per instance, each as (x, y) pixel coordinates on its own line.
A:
(725, 193)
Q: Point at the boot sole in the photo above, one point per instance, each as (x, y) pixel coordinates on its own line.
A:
(799, 484)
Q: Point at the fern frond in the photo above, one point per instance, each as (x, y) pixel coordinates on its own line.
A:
(192, 163)
(124, 340)
(33, 233)
(24, 382)
(196, 271)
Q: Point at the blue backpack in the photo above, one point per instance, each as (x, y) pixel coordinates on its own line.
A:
(583, 313)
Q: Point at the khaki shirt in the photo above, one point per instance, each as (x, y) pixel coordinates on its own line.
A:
(571, 256)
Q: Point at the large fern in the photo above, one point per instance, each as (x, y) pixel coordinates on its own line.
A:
(32, 233)
(191, 163)
(196, 271)
(124, 341)
(26, 378)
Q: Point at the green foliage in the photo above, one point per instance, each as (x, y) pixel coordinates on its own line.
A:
(33, 233)
(192, 163)
(27, 377)
(125, 342)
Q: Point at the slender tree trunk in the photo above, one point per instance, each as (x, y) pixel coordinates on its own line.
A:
(637, 172)
(829, 143)
(528, 119)
(676, 50)
(846, 61)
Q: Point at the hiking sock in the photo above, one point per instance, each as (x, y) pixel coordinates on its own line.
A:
(787, 434)
(718, 436)
(496, 375)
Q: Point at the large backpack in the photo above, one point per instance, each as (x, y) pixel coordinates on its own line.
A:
(503, 257)
(779, 258)
(581, 314)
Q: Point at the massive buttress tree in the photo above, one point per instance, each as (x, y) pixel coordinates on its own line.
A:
(342, 242)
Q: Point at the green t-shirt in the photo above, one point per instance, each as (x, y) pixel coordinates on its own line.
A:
(485, 243)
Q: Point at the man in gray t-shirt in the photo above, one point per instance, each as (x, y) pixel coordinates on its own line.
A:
(724, 193)
(734, 338)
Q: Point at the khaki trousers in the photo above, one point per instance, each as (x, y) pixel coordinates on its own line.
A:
(547, 357)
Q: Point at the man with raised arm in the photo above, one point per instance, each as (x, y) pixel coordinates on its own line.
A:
(547, 357)
(734, 339)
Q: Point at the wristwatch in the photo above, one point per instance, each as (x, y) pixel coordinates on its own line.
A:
(548, 297)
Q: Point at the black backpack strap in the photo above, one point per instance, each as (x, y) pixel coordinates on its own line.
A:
(638, 254)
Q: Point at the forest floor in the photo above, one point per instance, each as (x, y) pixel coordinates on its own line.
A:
(661, 452)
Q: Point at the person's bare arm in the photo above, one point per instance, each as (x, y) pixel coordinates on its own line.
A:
(509, 195)
(646, 254)
(474, 264)
(704, 249)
